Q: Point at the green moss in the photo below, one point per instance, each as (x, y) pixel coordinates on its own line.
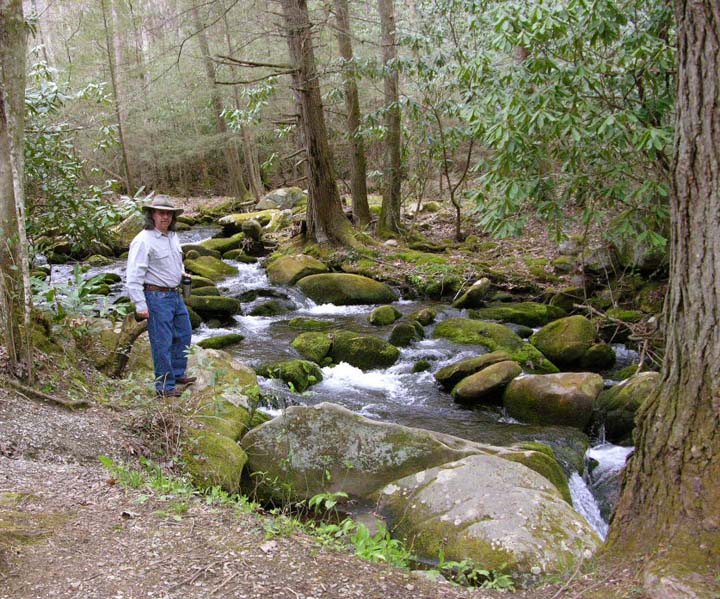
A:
(213, 460)
(495, 337)
(223, 417)
(209, 306)
(210, 268)
(300, 374)
(346, 289)
(421, 366)
(541, 459)
(625, 315)
(224, 244)
(384, 315)
(362, 351)
(221, 341)
(565, 341)
(531, 314)
(312, 345)
(209, 290)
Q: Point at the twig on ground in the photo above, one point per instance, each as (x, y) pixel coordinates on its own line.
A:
(224, 582)
(564, 587)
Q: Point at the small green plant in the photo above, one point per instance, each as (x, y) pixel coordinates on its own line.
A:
(467, 573)
(326, 501)
(380, 547)
(123, 475)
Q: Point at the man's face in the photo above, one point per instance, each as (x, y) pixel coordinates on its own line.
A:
(162, 219)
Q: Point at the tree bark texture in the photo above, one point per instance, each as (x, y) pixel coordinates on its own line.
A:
(232, 155)
(326, 222)
(670, 504)
(390, 211)
(15, 296)
(358, 164)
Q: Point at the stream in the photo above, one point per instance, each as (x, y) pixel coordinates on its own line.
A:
(395, 394)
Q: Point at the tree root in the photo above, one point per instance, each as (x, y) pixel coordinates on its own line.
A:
(30, 393)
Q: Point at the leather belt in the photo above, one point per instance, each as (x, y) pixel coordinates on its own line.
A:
(149, 287)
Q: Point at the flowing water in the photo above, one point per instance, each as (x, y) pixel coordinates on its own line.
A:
(395, 394)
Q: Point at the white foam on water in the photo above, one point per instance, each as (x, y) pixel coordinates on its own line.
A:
(611, 459)
(345, 378)
(585, 504)
(334, 310)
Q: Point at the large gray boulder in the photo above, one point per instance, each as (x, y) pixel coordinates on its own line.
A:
(284, 198)
(345, 289)
(314, 449)
(288, 270)
(497, 513)
(564, 398)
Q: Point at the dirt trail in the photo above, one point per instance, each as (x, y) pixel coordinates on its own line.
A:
(79, 536)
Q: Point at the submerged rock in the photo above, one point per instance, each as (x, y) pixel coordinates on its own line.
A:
(300, 374)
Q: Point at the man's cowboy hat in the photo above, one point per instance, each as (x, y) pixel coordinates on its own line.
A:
(162, 203)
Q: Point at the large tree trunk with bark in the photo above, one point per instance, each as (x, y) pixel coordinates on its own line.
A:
(358, 164)
(326, 222)
(670, 505)
(390, 211)
(232, 155)
(15, 297)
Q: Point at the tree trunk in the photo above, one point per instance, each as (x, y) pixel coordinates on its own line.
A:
(15, 296)
(109, 25)
(390, 212)
(249, 146)
(232, 156)
(670, 505)
(326, 222)
(358, 164)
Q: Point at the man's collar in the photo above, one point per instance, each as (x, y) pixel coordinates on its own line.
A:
(157, 233)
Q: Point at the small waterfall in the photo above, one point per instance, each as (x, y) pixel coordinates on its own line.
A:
(585, 504)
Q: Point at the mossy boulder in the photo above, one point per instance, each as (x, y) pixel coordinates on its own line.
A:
(216, 368)
(452, 374)
(274, 307)
(209, 306)
(223, 412)
(224, 244)
(198, 281)
(615, 408)
(564, 398)
(221, 341)
(195, 318)
(362, 351)
(541, 458)
(200, 250)
(405, 333)
(313, 345)
(421, 365)
(98, 260)
(531, 314)
(565, 341)
(252, 229)
(495, 337)
(210, 268)
(313, 449)
(599, 357)
(650, 298)
(565, 297)
(300, 374)
(384, 315)
(213, 460)
(303, 323)
(475, 296)
(442, 286)
(486, 385)
(209, 290)
(497, 513)
(124, 232)
(345, 289)
(271, 220)
(239, 256)
(288, 270)
(424, 316)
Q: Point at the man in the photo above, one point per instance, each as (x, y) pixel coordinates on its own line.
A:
(154, 270)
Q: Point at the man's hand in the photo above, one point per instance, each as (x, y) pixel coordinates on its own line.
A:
(141, 314)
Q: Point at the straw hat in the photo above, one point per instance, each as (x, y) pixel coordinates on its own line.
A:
(162, 202)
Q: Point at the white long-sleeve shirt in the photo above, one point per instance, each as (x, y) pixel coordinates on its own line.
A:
(154, 258)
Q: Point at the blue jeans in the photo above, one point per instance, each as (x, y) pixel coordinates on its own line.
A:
(170, 333)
